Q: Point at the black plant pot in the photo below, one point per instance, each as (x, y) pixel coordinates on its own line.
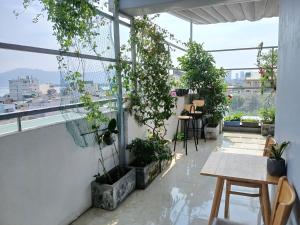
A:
(276, 167)
(181, 92)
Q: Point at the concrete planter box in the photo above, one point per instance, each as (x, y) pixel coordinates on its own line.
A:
(212, 132)
(267, 129)
(164, 164)
(145, 175)
(232, 123)
(108, 196)
(250, 124)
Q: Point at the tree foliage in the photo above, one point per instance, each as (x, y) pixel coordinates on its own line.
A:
(202, 76)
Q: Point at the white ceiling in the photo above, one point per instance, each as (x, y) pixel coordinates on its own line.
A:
(204, 11)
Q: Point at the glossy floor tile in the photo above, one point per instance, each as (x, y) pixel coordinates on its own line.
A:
(180, 195)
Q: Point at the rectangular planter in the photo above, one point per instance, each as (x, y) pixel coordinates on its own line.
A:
(250, 124)
(267, 129)
(232, 123)
(145, 175)
(108, 196)
(164, 164)
(212, 132)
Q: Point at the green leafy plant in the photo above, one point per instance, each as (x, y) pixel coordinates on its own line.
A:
(278, 149)
(149, 150)
(268, 115)
(180, 136)
(202, 75)
(267, 63)
(76, 26)
(234, 117)
(151, 103)
(250, 120)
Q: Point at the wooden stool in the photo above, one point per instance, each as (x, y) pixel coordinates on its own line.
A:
(186, 122)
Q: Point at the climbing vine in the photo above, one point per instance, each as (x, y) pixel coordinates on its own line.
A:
(150, 102)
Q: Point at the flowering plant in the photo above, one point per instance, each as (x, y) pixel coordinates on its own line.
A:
(266, 63)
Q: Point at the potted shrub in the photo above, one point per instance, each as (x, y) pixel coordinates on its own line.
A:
(204, 78)
(268, 121)
(212, 128)
(250, 121)
(111, 188)
(149, 154)
(276, 164)
(233, 120)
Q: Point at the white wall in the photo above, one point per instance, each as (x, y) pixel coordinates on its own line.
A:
(45, 178)
(287, 102)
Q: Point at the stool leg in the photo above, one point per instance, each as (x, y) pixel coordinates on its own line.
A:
(202, 129)
(184, 133)
(187, 130)
(197, 132)
(194, 133)
(176, 135)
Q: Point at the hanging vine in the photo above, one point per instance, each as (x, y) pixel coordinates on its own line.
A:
(76, 26)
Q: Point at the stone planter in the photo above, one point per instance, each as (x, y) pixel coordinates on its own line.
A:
(267, 129)
(164, 164)
(145, 175)
(232, 123)
(109, 196)
(212, 132)
(276, 167)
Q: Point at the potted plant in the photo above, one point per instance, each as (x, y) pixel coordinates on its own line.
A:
(233, 120)
(268, 121)
(112, 187)
(212, 128)
(180, 89)
(276, 164)
(204, 78)
(250, 121)
(149, 154)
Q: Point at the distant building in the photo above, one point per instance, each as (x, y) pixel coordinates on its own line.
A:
(5, 108)
(22, 88)
(91, 88)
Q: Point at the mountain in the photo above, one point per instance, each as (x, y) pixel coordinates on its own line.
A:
(47, 76)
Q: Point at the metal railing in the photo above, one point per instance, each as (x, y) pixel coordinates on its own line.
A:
(19, 115)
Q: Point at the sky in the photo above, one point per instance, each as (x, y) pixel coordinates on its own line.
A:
(21, 30)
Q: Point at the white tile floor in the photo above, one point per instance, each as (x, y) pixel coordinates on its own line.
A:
(180, 195)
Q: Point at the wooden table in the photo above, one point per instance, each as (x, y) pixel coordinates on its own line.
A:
(239, 167)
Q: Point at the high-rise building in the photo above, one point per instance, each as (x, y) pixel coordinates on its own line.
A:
(22, 88)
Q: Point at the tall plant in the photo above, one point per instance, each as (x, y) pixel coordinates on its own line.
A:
(150, 102)
(202, 76)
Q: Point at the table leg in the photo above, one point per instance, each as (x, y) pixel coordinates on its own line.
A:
(266, 204)
(217, 199)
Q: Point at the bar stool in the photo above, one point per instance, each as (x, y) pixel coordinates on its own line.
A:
(196, 116)
(186, 122)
